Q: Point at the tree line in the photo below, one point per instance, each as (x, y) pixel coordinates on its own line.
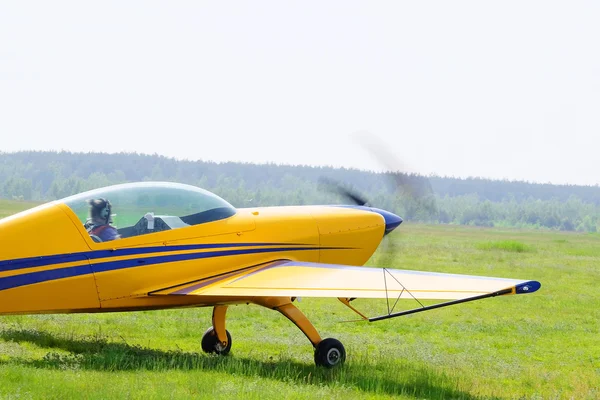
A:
(42, 176)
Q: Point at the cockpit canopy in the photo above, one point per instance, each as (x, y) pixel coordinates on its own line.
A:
(149, 207)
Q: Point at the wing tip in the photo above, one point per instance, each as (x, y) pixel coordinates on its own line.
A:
(527, 287)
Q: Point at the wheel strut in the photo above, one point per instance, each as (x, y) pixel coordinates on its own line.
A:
(329, 352)
(218, 322)
(217, 339)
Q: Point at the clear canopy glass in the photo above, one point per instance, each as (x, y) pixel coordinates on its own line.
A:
(149, 207)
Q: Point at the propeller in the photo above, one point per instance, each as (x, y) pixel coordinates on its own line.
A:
(336, 186)
(414, 190)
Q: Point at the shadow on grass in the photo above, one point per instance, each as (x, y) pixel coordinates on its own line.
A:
(96, 353)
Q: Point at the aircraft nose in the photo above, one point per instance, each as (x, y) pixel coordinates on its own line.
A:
(391, 220)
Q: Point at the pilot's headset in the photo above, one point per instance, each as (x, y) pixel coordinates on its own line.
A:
(100, 208)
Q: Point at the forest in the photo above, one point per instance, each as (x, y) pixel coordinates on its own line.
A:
(46, 175)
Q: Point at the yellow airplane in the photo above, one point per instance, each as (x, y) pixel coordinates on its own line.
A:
(157, 245)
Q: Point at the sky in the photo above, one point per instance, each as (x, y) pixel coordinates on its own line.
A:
(504, 90)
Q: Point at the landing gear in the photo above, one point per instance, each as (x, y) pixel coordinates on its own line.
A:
(329, 353)
(217, 339)
(212, 344)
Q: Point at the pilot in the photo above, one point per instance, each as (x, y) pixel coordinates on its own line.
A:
(99, 224)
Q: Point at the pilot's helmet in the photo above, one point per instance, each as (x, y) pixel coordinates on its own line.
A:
(100, 209)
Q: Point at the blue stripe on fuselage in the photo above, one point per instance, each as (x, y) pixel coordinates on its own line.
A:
(42, 261)
(14, 281)
(59, 273)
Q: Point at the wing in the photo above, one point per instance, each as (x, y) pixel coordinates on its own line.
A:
(301, 279)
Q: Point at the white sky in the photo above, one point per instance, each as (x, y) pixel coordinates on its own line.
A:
(495, 89)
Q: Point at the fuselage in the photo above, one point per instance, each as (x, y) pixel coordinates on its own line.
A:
(50, 264)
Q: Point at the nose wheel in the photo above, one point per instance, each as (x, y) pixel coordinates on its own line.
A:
(329, 353)
(212, 344)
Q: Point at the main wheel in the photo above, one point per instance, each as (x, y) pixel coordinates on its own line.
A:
(329, 353)
(210, 342)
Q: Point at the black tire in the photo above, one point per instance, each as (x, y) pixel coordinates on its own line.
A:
(210, 343)
(330, 353)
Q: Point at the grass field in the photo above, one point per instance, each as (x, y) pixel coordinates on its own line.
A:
(9, 207)
(540, 346)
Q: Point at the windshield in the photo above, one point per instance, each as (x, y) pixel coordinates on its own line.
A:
(141, 208)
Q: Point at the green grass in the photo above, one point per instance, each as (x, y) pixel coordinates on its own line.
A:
(505, 245)
(9, 207)
(540, 346)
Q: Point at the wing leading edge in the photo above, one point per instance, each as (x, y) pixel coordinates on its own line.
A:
(300, 279)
